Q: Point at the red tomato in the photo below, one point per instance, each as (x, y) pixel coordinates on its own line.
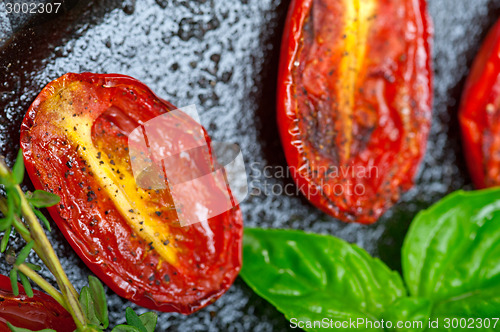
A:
(354, 101)
(74, 140)
(36, 313)
(479, 113)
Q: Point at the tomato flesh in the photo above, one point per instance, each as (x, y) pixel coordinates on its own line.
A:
(75, 144)
(36, 313)
(354, 101)
(479, 114)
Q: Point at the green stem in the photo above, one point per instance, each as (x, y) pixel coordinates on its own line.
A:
(19, 226)
(46, 252)
(48, 288)
(26, 236)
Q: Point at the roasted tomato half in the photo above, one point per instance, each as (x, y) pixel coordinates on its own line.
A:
(354, 101)
(75, 140)
(36, 313)
(479, 113)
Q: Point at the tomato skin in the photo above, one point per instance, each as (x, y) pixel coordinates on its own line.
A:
(207, 255)
(36, 313)
(479, 113)
(354, 103)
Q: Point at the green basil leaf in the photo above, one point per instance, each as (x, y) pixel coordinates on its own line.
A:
(134, 320)
(88, 306)
(149, 320)
(43, 199)
(99, 298)
(18, 169)
(19, 329)
(310, 277)
(412, 313)
(125, 328)
(451, 255)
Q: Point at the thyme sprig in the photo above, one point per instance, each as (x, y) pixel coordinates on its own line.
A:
(22, 215)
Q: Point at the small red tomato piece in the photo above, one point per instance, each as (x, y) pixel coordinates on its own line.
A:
(479, 114)
(75, 144)
(354, 101)
(36, 313)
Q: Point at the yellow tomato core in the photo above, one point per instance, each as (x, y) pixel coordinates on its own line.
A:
(127, 197)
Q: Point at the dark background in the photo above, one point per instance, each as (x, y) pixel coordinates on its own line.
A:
(222, 56)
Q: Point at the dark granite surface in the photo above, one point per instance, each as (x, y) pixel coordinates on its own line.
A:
(222, 56)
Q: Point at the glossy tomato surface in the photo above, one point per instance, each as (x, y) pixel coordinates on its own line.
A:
(354, 101)
(36, 313)
(75, 144)
(170, 48)
(479, 114)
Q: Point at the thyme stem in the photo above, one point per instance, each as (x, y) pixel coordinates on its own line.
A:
(48, 288)
(46, 252)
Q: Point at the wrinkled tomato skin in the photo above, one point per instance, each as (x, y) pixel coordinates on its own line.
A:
(36, 313)
(354, 101)
(55, 138)
(479, 114)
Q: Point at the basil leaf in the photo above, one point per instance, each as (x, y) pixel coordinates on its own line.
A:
(149, 320)
(43, 199)
(413, 313)
(310, 277)
(99, 298)
(451, 255)
(20, 329)
(125, 328)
